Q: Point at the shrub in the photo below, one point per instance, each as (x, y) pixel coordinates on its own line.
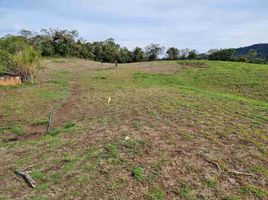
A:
(242, 59)
(13, 44)
(4, 60)
(24, 63)
(223, 54)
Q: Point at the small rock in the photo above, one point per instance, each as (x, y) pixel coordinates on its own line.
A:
(127, 138)
(232, 181)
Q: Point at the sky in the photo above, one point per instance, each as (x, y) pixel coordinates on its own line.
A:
(194, 24)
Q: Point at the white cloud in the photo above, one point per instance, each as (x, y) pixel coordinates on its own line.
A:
(195, 24)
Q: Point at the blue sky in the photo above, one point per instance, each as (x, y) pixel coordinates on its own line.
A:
(199, 24)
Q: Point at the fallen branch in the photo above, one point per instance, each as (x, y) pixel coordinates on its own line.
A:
(28, 167)
(27, 178)
(228, 171)
(240, 173)
(214, 163)
(49, 124)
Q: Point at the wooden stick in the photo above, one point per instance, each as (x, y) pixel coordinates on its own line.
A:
(49, 124)
(240, 173)
(28, 167)
(229, 171)
(214, 163)
(27, 178)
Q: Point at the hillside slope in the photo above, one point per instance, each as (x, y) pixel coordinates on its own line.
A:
(155, 130)
(261, 49)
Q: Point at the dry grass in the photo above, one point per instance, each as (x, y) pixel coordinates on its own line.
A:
(149, 142)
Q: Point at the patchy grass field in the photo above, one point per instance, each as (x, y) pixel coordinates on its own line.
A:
(170, 131)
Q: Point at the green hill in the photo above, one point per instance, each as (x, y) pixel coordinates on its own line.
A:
(261, 49)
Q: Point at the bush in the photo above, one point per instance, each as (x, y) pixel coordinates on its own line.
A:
(242, 59)
(24, 63)
(4, 61)
(223, 54)
(259, 61)
(13, 44)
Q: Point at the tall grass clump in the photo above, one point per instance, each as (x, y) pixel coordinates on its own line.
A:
(24, 63)
(5, 61)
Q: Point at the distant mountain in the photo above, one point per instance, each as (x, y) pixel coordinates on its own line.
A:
(262, 50)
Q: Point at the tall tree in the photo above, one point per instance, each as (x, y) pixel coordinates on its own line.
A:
(252, 55)
(153, 51)
(223, 54)
(125, 56)
(26, 34)
(184, 53)
(13, 44)
(193, 54)
(173, 53)
(138, 55)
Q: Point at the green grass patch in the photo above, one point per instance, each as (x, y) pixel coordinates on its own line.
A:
(175, 81)
(16, 129)
(67, 127)
(40, 122)
(137, 173)
(253, 190)
(231, 197)
(184, 191)
(210, 183)
(193, 63)
(155, 194)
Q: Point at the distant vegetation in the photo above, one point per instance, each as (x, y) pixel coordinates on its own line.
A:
(260, 50)
(66, 43)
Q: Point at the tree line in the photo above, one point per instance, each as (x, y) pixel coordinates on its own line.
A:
(20, 54)
(67, 43)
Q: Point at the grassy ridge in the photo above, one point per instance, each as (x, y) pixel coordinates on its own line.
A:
(245, 80)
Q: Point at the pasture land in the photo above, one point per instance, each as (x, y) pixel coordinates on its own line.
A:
(170, 131)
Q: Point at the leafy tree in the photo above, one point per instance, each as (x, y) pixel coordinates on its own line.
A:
(125, 56)
(223, 54)
(111, 50)
(242, 59)
(138, 55)
(193, 54)
(153, 51)
(85, 50)
(184, 53)
(13, 44)
(173, 53)
(62, 41)
(43, 43)
(252, 55)
(26, 34)
(106, 51)
(212, 51)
